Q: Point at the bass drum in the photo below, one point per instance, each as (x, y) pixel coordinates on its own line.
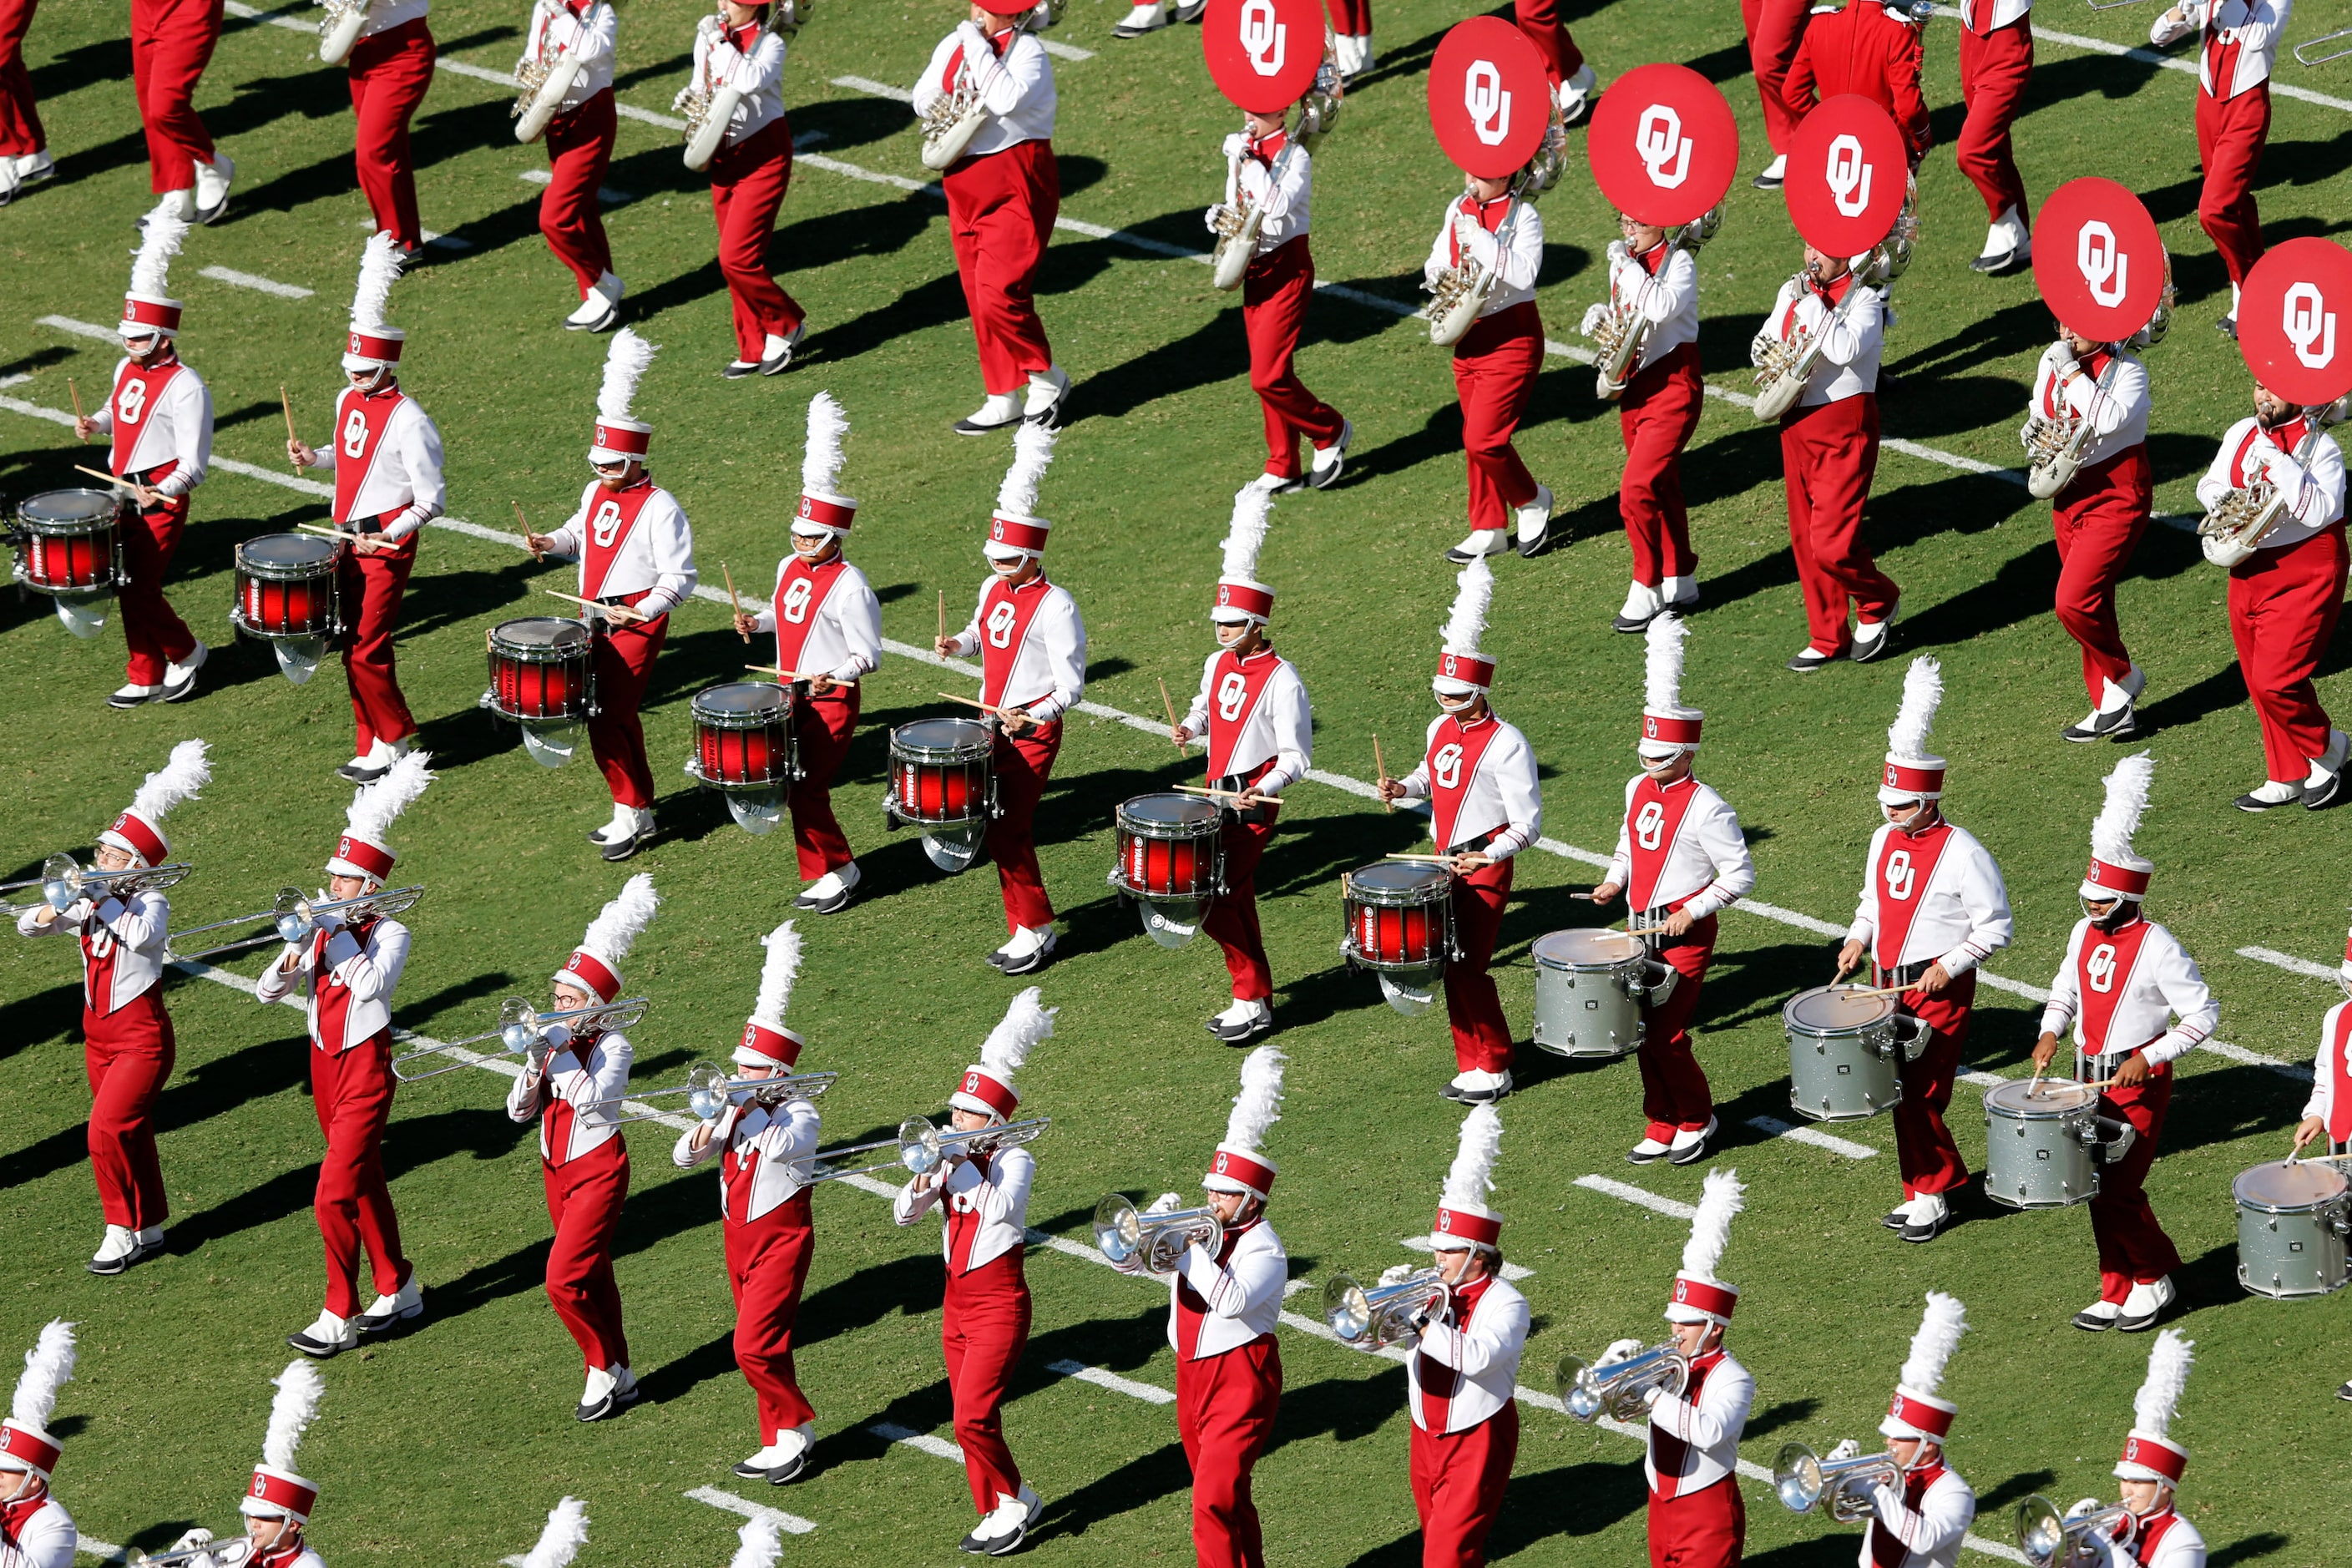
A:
(69, 546)
(2291, 1222)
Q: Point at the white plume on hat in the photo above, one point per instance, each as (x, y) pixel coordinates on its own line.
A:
(375, 806)
(2158, 1399)
(380, 267)
(2118, 819)
(1725, 1195)
(1026, 1022)
(1473, 1175)
(616, 930)
(1033, 452)
(777, 972)
(49, 1366)
(1246, 535)
(760, 1542)
(300, 1389)
(1663, 685)
(184, 773)
(566, 1533)
(150, 269)
(822, 458)
(1923, 693)
(1931, 1348)
(1254, 1107)
(626, 360)
(1473, 594)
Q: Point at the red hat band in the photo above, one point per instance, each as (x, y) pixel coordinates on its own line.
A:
(595, 973)
(366, 345)
(150, 313)
(1249, 1173)
(2123, 882)
(992, 1092)
(1479, 1229)
(620, 438)
(373, 859)
(145, 840)
(1015, 534)
(1670, 731)
(2152, 1454)
(281, 1490)
(1249, 601)
(27, 1447)
(1917, 1413)
(1703, 1296)
(1465, 667)
(771, 1043)
(826, 513)
(1924, 780)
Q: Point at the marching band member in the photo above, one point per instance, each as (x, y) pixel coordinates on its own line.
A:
(1996, 61)
(390, 67)
(579, 150)
(2155, 1535)
(1351, 38)
(1774, 28)
(1495, 363)
(1829, 455)
(1032, 656)
(1150, 15)
(2101, 512)
(1003, 195)
(2124, 976)
(984, 1201)
(1656, 416)
(1681, 850)
(1463, 1365)
(128, 1045)
(24, 144)
(348, 963)
(1859, 48)
(1920, 1522)
(635, 551)
(277, 1505)
(572, 1083)
(828, 628)
(2329, 1111)
(385, 456)
(1571, 79)
(1933, 909)
(1252, 708)
(35, 1529)
(161, 418)
(1478, 775)
(2285, 599)
(748, 176)
(764, 1168)
(2237, 45)
(171, 43)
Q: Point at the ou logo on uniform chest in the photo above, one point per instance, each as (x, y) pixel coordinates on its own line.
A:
(1446, 766)
(1489, 107)
(2309, 326)
(2105, 266)
(1232, 691)
(1649, 824)
(607, 524)
(2101, 967)
(131, 400)
(794, 606)
(1000, 625)
(1900, 874)
(1263, 38)
(1658, 141)
(1848, 173)
(355, 434)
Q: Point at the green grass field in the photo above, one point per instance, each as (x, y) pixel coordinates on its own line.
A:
(456, 1439)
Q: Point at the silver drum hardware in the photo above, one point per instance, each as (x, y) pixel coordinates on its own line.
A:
(1843, 1050)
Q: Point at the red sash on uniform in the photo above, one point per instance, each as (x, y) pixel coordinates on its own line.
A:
(1829, 295)
(1885, 1549)
(1653, 823)
(361, 420)
(2054, 399)
(963, 1222)
(1438, 1381)
(1234, 692)
(556, 1119)
(1189, 1307)
(2102, 972)
(1006, 613)
(2286, 438)
(737, 1168)
(15, 1516)
(2339, 1084)
(1906, 866)
(137, 391)
(999, 42)
(605, 532)
(99, 947)
(2221, 55)
(1454, 753)
(334, 998)
(1489, 214)
(1669, 1453)
(800, 596)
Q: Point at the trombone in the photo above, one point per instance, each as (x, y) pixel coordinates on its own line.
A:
(1588, 1389)
(1370, 1318)
(520, 1025)
(923, 1148)
(1134, 1241)
(709, 1089)
(62, 882)
(2050, 1540)
(292, 919)
(228, 1551)
(1805, 1480)
(2302, 59)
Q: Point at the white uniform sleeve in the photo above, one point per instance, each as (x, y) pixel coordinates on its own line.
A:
(1986, 898)
(685, 1156)
(1025, 72)
(2191, 1001)
(420, 455)
(1004, 1197)
(1292, 724)
(1721, 1415)
(1196, 717)
(275, 980)
(1065, 646)
(50, 1541)
(1719, 836)
(672, 543)
(1286, 205)
(1620, 863)
(1845, 341)
(191, 433)
(1474, 1350)
(2066, 1001)
(1255, 1278)
(1514, 775)
(1660, 297)
(2110, 410)
(927, 86)
(2215, 485)
(1865, 908)
(861, 628)
(2173, 26)
(370, 973)
(2323, 1081)
(2314, 493)
(915, 1200)
(1935, 1528)
(608, 1074)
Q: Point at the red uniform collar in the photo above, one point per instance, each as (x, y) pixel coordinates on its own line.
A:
(1653, 259)
(1835, 291)
(1265, 151)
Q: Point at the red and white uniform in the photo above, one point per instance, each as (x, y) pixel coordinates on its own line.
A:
(1539, 20)
(584, 1166)
(1221, 1315)
(2331, 1075)
(984, 1326)
(1261, 734)
(1698, 1517)
(1774, 29)
(1860, 49)
(1033, 656)
(128, 1046)
(21, 133)
(2101, 514)
(158, 423)
(391, 68)
(1275, 288)
(1829, 452)
(37, 1534)
(1459, 1378)
(1927, 898)
(826, 621)
(2238, 44)
(347, 975)
(1996, 62)
(171, 43)
(385, 454)
(580, 136)
(297, 1555)
(1003, 194)
(1920, 1523)
(1479, 779)
(1495, 362)
(2122, 991)
(635, 549)
(2160, 1540)
(748, 176)
(1679, 848)
(2285, 597)
(1659, 409)
(763, 1171)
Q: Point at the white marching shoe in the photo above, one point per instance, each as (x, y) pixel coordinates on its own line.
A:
(626, 833)
(2144, 1305)
(2006, 245)
(132, 695)
(599, 307)
(1576, 94)
(1353, 52)
(1535, 522)
(1770, 176)
(1481, 541)
(776, 352)
(1047, 389)
(124, 1246)
(1475, 1085)
(1331, 461)
(999, 410)
(2326, 779)
(402, 1305)
(1027, 950)
(610, 1391)
(1643, 604)
(213, 181)
(1003, 1531)
(829, 893)
(1149, 17)
(180, 679)
(181, 205)
(1679, 593)
(329, 1336)
(1242, 1022)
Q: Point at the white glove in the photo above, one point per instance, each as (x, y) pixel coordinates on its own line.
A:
(1235, 146)
(2086, 1505)
(1844, 1450)
(1651, 1395)
(1397, 1273)
(975, 44)
(2170, 27)
(1594, 314)
(538, 1052)
(196, 1537)
(1166, 1203)
(1465, 226)
(1760, 345)
(1213, 215)
(1618, 251)
(1619, 1350)
(1889, 1499)
(709, 26)
(683, 94)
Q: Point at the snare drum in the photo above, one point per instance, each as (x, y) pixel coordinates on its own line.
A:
(2041, 1152)
(939, 774)
(1169, 846)
(1589, 989)
(541, 671)
(1400, 918)
(743, 738)
(70, 542)
(1841, 1053)
(2292, 1219)
(286, 587)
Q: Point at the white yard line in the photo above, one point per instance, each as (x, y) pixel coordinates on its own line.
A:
(1512, 1272)
(790, 1523)
(2289, 962)
(1149, 1393)
(938, 1447)
(1813, 1135)
(605, 194)
(79, 328)
(92, 1546)
(1065, 51)
(1626, 1192)
(872, 88)
(260, 284)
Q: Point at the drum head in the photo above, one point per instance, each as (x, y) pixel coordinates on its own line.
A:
(1168, 812)
(2281, 1185)
(1399, 881)
(1833, 1010)
(67, 511)
(1586, 949)
(533, 633)
(282, 550)
(940, 735)
(742, 698)
(2054, 1099)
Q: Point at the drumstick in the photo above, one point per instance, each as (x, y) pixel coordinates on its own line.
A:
(2033, 1087)
(944, 614)
(1380, 772)
(975, 703)
(1166, 703)
(790, 675)
(74, 393)
(527, 544)
(97, 474)
(733, 600)
(1214, 794)
(323, 532)
(1423, 859)
(1879, 990)
(286, 403)
(622, 611)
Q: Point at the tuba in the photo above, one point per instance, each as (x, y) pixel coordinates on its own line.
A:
(544, 85)
(1136, 1242)
(2235, 528)
(1588, 1389)
(1805, 1481)
(1621, 332)
(1458, 294)
(955, 118)
(2050, 1540)
(1370, 1318)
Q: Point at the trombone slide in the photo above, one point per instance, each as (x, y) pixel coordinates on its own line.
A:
(2302, 59)
(293, 919)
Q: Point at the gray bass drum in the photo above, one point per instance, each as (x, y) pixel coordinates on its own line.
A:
(2044, 1149)
(1590, 988)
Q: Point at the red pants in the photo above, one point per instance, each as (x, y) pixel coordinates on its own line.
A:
(128, 1054)
(171, 40)
(1993, 72)
(20, 117)
(1023, 763)
(1829, 454)
(822, 727)
(747, 186)
(1233, 919)
(579, 151)
(2283, 608)
(2099, 519)
(2133, 1248)
(1539, 20)
(370, 587)
(1924, 1150)
(2230, 136)
(583, 1200)
(1224, 1413)
(623, 659)
(1000, 211)
(351, 1093)
(1457, 1486)
(983, 1332)
(1351, 19)
(1656, 417)
(154, 630)
(1704, 1529)
(1775, 28)
(1675, 1092)
(767, 1264)
(390, 71)
(1482, 1036)
(1274, 291)
(1494, 367)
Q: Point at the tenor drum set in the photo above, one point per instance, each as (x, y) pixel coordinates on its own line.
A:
(543, 677)
(1590, 988)
(1842, 1046)
(1171, 863)
(2293, 1218)
(69, 546)
(743, 748)
(1399, 925)
(285, 597)
(2045, 1141)
(942, 781)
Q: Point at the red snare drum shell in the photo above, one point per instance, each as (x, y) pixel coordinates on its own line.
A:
(70, 561)
(1390, 935)
(739, 756)
(1164, 867)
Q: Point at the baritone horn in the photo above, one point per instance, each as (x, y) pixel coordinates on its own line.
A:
(1370, 1318)
(293, 917)
(1135, 1241)
(1620, 334)
(1806, 1481)
(709, 1089)
(2051, 1540)
(520, 1027)
(1590, 1389)
(63, 880)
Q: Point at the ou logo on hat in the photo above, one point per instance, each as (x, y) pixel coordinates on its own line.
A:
(1445, 1221)
(1649, 727)
(1219, 1167)
(2104, 266)
(1224, 595)
(1658, 139)
(2306, 322)
(1682, 1290)
(1449, 666)
(750, 1033)
(571, 964)
(972, 1083)
(1263, 39)
(1488, 106)
(1848, 173)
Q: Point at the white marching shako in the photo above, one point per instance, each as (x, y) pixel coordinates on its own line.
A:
(1590, 988)
(1841, 1053)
